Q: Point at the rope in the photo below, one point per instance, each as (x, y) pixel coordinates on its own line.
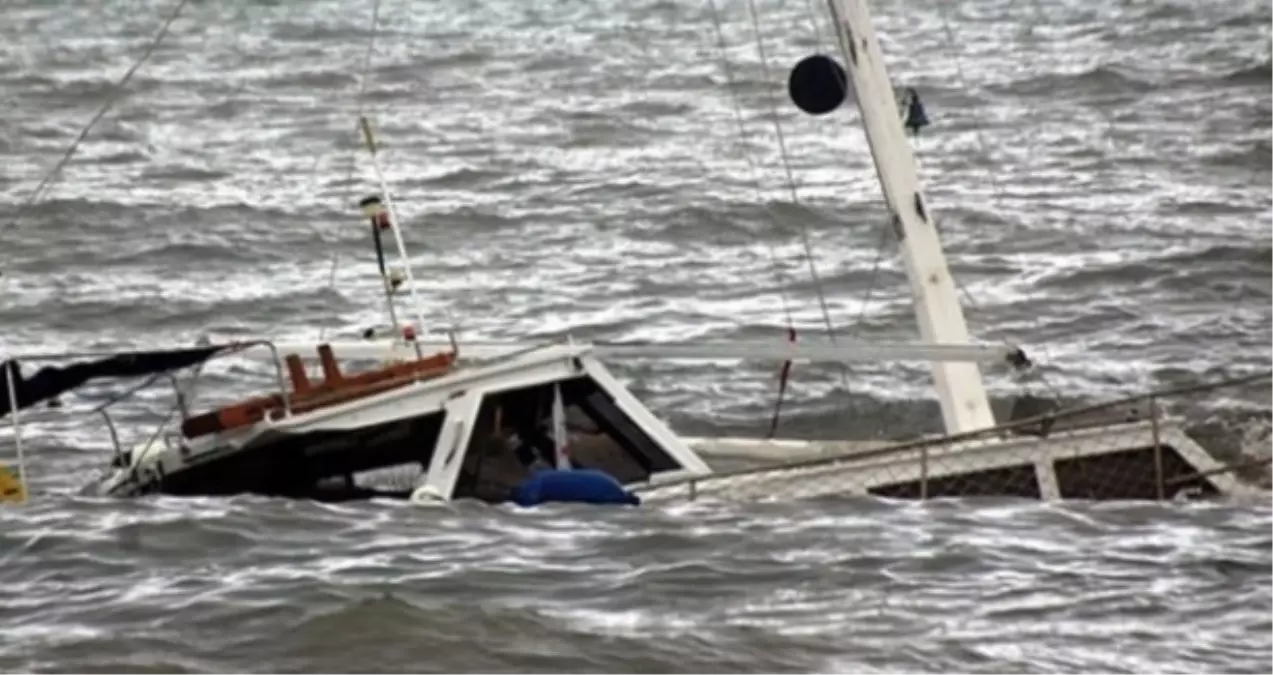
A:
(786, 165)
(875, 268)
(360, 107)
(739, 120)
(727, 66)
(116, 94)
(997, 191)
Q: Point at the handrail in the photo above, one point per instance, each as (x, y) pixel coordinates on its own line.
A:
(231, 348)
(997, 430)
(110, 426)
(278, 375)
(103, 409)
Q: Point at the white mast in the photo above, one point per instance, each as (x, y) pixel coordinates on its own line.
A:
(964, 404)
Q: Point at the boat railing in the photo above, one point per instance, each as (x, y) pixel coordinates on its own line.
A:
(1131, 445)
(181, 407)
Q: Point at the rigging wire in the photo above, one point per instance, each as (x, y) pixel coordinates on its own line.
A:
(880, 245)
(771, 251)
(360, 98)
(739, 119)
(786, 164)
(997, 190)
(364, 133)
(754, 15)
(818, 40)
(731, 84)
(360, 106)
(785, 372)
(779, 275)
(117, 92)
(372, 146)
(359, 101)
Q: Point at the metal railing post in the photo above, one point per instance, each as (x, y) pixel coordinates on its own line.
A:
(923, 472)
(1159, 489)
(278, 375)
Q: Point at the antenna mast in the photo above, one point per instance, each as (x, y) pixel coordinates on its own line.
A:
(386, 217)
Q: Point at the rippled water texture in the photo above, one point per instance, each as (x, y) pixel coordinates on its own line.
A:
(1100, 170)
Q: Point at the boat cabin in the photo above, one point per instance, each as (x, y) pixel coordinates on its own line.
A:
(439, 432)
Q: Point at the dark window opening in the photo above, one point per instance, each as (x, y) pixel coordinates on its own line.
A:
(1011, 481)
(1129, 474)
(513, 435)
(317, 465)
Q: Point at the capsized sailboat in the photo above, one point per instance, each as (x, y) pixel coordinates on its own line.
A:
(456, 420)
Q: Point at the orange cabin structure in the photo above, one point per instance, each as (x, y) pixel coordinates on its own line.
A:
(335, 388)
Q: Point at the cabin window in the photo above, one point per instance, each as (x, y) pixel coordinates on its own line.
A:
(1129, 474)
(327, 466)
(513, 435)
(1009, 481)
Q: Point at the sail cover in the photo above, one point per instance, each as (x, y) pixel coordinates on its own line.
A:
(51, 381)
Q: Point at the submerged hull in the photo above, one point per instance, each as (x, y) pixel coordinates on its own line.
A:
(472, 432)
(1127, 461)
(481, 431)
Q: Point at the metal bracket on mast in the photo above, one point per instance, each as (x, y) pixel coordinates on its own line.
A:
(960, 390)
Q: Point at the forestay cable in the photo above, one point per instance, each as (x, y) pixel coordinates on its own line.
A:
(117, 93)
(786, 165)
(727, 67)
(997, 192)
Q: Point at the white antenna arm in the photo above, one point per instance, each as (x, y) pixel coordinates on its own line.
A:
(370, 140)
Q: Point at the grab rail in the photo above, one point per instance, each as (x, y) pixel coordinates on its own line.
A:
(182, 405)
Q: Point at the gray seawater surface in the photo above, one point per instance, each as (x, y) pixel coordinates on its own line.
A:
(1100, 171)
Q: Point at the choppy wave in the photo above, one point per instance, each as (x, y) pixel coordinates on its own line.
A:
(859, 585)
(1100, 175)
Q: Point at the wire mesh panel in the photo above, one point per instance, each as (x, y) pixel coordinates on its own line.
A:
(1199, 441)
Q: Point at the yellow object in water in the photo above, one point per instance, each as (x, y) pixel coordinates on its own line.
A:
(11, 489)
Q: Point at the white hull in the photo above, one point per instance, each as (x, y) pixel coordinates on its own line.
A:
(1099, 461)
(797, 470)
(449, 426)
